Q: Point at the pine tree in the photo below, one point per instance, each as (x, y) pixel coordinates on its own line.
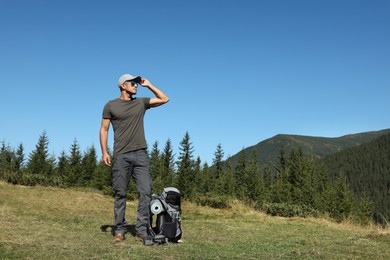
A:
(197, 172)
(218, 161)
(281, 164)
(168, 164)
(156, 168)
(240, 176)
(40, 163)
(185, 180)
(363, 210)
(281, 186)
(19, 162)
(321, 186)
(17, 165)
(340, 204)
(218, 180)
(253, 181)
(267, 182)
(38, 157)
(3, 161)
(74, 169)
(202, 180)
(229, 182)
(102, 177)
(300, 178)
(7, 163)
(88, 166)
(62, 165)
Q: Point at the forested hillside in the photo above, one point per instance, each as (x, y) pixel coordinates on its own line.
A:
(316, 147)
(367, 168)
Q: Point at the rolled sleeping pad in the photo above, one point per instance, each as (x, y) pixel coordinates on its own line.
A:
(156, 207)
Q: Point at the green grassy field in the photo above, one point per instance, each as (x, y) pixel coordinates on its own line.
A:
(52, 223)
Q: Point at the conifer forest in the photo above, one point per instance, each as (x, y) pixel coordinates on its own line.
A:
(350, 185)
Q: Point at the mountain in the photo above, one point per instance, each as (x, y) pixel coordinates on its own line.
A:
(317, 147)
(364, 159)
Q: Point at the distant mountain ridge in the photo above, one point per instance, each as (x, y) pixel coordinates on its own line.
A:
(317, 147)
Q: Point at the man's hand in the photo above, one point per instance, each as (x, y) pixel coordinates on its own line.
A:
(103, 141)
(144, 82)
(106, 159)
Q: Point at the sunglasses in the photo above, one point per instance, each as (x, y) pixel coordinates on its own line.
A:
(133, 83)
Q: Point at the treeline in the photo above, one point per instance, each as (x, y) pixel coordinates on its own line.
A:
(294, 186)
(40, 168)
(367, 169)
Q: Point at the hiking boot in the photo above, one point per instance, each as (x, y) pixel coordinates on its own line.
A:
(139, 238)
(118, 237)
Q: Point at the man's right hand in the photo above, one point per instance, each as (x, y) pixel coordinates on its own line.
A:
(107, 159)
(103, 141)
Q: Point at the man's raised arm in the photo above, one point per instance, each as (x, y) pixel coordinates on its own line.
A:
(160, 98)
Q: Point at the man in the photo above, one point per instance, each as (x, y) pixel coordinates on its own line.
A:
(126, 114)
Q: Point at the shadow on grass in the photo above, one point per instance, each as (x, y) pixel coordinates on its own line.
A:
(129, 228)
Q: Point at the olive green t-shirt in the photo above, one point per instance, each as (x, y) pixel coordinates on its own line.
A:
(127, 119)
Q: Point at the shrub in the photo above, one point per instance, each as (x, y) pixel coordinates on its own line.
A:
(289, 210)
(213, 201)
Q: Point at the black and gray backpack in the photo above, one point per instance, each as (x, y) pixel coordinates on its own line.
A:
(165, 222)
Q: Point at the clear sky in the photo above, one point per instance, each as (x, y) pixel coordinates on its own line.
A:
(236, 72)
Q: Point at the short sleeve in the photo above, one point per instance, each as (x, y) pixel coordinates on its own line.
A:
(107, 111)
(146, 102)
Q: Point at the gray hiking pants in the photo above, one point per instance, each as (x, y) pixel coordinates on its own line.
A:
(135, 164)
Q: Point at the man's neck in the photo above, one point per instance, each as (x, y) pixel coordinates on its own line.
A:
(126, 96)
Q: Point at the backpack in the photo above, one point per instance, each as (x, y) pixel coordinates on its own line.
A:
(165, 210)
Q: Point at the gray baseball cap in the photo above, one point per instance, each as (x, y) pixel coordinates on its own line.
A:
(126, 77)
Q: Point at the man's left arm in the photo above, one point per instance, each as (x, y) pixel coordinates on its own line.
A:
(160, 97)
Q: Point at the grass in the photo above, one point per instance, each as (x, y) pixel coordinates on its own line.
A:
(53, 223)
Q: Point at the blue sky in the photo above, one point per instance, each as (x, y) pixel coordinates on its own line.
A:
(236, 72)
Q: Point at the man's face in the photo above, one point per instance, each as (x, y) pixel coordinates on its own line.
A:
(130, 87)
